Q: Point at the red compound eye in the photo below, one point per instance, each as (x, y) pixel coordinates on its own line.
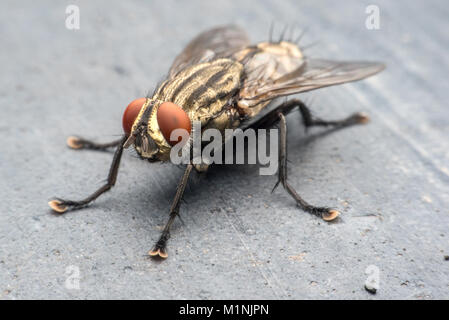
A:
(131, 113)
(170, 117)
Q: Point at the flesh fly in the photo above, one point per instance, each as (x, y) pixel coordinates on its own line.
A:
(223, 81)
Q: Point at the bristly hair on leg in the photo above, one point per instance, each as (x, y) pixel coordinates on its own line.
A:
(180, 219)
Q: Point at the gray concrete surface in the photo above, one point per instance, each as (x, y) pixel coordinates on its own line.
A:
(390, 178)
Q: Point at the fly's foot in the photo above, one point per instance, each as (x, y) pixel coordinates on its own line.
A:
(159, 249)
(75, 142)
(330, 215)
(158, 252)
(357, 118)
(57, 206)
(324, 213)
(61, 206)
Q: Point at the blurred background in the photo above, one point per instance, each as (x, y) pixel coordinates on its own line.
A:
(390, 178)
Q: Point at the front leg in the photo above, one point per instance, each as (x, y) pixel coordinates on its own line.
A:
(159, 249)
(61, 206)
(81, 143)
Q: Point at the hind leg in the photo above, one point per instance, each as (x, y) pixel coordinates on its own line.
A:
(325, 213)
(309, 120)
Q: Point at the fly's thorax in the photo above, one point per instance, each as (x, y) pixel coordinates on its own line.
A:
(204, 91)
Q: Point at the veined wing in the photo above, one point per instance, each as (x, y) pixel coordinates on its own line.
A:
(311, 74)
(213, 43)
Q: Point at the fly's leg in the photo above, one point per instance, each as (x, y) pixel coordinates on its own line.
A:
(309, 120)
(80, 143)
(159, 249)
(325, 213)
(278, 115)
(61, 206)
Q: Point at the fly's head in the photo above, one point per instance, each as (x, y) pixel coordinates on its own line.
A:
(149, 123)
(135, 124)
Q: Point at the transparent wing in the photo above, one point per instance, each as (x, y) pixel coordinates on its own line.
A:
(216, 42)
(311, 74)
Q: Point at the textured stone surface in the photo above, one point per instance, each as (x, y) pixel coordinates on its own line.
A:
(390, 178)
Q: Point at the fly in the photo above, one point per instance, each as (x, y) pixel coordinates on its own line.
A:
(224, 82)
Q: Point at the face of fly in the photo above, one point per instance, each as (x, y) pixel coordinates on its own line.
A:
(148, 123)
(135, 125)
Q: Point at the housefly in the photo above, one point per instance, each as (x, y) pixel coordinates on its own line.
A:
(224, 82)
